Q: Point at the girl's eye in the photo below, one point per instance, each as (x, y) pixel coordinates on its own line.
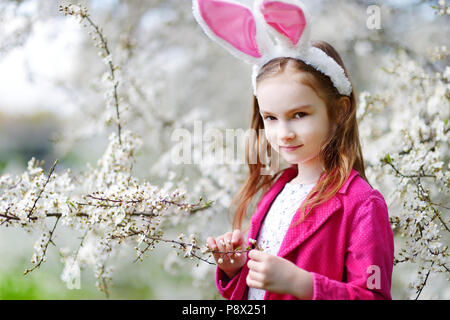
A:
(301, 113)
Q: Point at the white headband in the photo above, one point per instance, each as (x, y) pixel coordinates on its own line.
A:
(247, 34)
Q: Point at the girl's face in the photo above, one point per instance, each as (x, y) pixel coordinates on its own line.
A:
(294, 115)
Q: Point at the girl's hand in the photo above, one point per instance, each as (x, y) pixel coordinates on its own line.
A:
(229, 262)
(278, 275)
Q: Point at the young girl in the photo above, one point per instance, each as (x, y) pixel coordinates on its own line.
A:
(323, 230)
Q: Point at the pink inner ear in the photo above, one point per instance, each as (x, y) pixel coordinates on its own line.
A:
(287, 19)
(233, 23)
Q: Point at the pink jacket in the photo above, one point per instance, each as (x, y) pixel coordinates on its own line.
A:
(346, 244)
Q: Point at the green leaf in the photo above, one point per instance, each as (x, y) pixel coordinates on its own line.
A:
(388, 159)
(70, 203)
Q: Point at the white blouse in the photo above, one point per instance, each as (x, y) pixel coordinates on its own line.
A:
(277, 221)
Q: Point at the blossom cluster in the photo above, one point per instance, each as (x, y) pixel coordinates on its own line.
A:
(105, 203)
(410, 150)
(442, 8)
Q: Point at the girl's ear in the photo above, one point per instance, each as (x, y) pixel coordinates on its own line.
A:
(230, 24)
(343, 108)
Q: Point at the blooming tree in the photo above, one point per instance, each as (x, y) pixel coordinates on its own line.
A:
(408, 156)
(106, 203)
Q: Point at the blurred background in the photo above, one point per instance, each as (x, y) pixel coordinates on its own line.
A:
(52, 106)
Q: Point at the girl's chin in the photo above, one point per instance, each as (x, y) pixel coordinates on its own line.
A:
(292, 160)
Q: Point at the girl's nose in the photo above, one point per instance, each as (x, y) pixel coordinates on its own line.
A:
(287, 135)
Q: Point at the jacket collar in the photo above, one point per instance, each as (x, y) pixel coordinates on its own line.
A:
(298, 234)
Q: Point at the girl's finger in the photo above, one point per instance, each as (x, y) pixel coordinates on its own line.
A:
(256, 276)
(254, 265)
(236, 237)
(228, 244)
(213, 246)
(256, 255)
(211, 243)
(220, 244)
(253, 283)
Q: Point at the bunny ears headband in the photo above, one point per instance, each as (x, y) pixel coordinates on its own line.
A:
(247, 34)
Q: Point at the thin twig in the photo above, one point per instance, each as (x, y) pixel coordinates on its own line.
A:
(45, 249)
(113, 75)
(42, 190)
(424, 282)
(83, 13)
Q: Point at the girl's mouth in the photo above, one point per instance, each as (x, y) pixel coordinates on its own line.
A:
(290, 148)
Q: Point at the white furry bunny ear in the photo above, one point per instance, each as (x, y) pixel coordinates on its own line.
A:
(230, 24)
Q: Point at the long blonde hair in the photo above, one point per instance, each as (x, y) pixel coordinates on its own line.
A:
(341, 151)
